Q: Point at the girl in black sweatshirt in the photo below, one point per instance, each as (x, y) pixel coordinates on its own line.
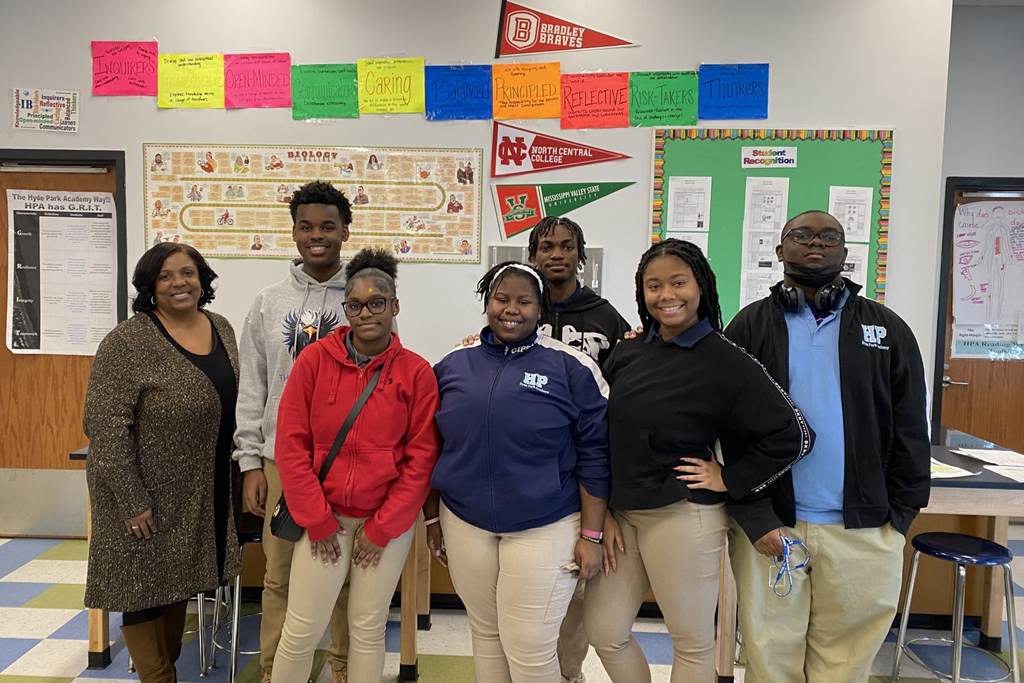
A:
(676, 391)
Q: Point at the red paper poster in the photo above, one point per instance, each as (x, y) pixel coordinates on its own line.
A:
(523, 30)
(516, 150)
(597, 100)
(124, 68)
(258, 80)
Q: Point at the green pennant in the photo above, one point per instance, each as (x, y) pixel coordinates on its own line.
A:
(560, 198)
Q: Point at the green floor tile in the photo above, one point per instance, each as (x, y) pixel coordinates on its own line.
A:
(60, 596)
(446, 669)
(34, 679)
(68, 550)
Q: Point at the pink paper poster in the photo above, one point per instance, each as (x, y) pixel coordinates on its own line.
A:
(258, 80)
(123, 67)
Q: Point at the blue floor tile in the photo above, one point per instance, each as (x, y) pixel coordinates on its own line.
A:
(656, 646)
(11, 649)
(16, 594)
(974, 664)
(75, 629)
(393, 637)
(18, 551)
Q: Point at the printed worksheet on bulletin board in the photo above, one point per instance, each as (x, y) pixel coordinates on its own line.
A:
(730, 191)
(231, 201)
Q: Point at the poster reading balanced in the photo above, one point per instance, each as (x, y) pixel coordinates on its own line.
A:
(61, 265)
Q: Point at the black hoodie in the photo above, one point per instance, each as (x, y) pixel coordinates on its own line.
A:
(586, 322)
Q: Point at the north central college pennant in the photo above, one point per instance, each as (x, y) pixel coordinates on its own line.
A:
(516, 150)
(526, 31)
(520, 207)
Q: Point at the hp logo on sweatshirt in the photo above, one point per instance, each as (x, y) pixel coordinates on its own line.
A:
(533, 380)
(873, 336)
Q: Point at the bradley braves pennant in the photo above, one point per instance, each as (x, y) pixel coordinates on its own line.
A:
(516, 150)
(523, 30)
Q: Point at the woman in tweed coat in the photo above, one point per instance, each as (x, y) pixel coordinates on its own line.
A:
(159, 414)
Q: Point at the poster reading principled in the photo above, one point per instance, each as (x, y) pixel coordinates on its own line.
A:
(988, 276)
(232, 201)
(61, 271)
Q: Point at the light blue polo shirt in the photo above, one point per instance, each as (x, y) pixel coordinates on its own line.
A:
(814, 387)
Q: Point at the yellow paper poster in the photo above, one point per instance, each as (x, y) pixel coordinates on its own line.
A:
(526, 91)
(391, 85)
(191, 81)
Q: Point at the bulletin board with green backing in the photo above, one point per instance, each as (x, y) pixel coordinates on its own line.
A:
(856, 158)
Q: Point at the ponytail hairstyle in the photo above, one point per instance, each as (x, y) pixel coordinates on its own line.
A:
(690, 254)
(493, 277)
(378, 264)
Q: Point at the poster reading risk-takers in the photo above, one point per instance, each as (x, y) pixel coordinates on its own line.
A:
(61, 271)
(423, 204)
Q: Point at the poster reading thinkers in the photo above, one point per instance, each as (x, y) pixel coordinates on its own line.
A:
(423, 204)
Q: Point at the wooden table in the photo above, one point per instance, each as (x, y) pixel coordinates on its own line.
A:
(415, 611)
(987, 495)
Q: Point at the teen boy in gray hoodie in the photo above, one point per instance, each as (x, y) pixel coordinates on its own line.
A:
(284, 319)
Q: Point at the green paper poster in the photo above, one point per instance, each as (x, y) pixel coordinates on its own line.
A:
(520, 207)
(662, 98)
(324, 91)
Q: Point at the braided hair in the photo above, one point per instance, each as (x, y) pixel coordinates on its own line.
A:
(493, 277)
(692, 256)
(547, 226)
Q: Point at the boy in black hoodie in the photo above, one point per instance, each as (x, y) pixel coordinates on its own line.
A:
(584, 321)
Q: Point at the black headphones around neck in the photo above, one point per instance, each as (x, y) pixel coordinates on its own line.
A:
(825, 299)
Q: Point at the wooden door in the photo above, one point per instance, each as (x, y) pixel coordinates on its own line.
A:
(42, 397)
(982, 397)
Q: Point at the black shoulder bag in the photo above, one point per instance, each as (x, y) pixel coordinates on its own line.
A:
(282, 524)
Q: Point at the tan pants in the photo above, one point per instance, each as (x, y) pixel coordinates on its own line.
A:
(831, 626)
(315, 587)
(674, 550)
(516, 594)
(572, 638)
(275, 588)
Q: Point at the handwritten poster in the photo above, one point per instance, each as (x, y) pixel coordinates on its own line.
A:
(391, 85)
(191, 81)
(51, 110)
(663, 98)
(257, 80)
(458, 92)
(595, 100)
(527, 91)
(733, 91)
(324, 91)
(123, 67)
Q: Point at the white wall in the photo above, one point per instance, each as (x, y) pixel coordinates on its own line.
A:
(865, 64)
(985, 102)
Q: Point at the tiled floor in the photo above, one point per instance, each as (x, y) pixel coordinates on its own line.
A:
(43, 630)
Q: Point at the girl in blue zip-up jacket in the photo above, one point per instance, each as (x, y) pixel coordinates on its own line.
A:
(522, 480)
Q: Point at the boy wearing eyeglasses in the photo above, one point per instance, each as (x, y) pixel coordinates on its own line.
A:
(854, 369)
(284, 319)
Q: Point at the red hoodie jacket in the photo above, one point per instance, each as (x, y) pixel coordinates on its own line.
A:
(383, 469)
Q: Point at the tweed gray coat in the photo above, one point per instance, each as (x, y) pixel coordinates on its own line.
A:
(152, 419)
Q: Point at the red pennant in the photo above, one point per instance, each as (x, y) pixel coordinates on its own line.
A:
(523, 30)
(515, 151)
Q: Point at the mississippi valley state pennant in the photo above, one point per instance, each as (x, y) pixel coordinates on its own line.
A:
(525, 31)
(520, 207)
(516, 150)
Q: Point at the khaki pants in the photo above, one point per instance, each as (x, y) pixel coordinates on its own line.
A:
(516, 594)
(275, 587)
(831, 626)
(572, 638)
(676, 551)
(315, 587)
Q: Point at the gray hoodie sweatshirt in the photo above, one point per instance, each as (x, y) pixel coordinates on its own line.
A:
(284, 319)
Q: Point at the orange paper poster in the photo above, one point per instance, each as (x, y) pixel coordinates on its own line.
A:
(596, 100)
(526, 91)
(190, 81)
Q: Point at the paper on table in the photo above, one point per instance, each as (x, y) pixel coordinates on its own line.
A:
(993, 456)
(1015, 473)
(941, 470)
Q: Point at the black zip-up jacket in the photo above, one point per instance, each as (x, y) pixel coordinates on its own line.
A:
(676, 398)
(586, 322)
(881, 375)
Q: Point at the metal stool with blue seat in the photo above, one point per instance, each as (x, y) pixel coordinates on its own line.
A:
(962, 550)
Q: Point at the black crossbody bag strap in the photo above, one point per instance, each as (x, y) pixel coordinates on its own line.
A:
(347, 425)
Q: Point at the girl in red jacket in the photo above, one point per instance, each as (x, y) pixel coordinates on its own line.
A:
(359, 520)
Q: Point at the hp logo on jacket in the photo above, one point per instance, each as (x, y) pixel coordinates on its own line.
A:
(873, 336)
(536, 381)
